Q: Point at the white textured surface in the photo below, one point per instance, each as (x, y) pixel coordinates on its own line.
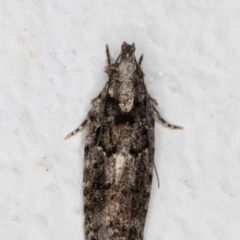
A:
(52, 55)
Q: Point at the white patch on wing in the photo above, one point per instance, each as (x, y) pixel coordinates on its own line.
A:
(120, 161)
(110, 91)
(127, 105)
(126, 96)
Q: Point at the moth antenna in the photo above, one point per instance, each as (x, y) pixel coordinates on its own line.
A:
(118, 57)
(108, 55)
(140, 60)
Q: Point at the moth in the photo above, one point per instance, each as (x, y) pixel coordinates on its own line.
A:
(119, 152)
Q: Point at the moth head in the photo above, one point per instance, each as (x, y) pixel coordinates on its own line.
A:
(127, 52)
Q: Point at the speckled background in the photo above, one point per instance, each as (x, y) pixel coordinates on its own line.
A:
(52, 56)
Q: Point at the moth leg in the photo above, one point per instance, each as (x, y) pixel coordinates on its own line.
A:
(156, 174)
(153, 101)
(77, 130)
(108, 55)
(164, 122)
(140, 60)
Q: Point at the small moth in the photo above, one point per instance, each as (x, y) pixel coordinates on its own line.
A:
(119, 152)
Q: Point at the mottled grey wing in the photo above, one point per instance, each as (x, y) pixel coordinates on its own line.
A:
(93, 176)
